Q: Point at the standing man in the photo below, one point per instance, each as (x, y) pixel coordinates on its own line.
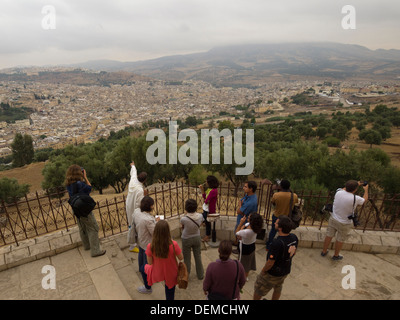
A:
(281, 201)
(248, 204)
(279, 261)
(136, 192)
(340, 224)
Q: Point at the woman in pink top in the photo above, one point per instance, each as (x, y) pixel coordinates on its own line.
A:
(161, 257)
(210, 197)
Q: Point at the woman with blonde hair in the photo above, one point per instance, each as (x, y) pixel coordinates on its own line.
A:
(161, 256)
(77, 182)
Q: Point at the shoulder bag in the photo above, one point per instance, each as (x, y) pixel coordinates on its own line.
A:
(183, 275)
(295, 214)
(81, 203)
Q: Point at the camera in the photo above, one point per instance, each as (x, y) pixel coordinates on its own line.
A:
(354, 217)
(365, 183)
(82, 169)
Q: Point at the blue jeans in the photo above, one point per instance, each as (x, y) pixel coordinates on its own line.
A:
(142, 262)
(169, 293)
(272, 233)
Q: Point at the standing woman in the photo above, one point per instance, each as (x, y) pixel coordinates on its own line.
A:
(161, 257)
(210, 197)
(77, 182)
(247, 234)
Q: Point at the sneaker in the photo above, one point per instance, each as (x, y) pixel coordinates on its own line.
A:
(324, 254)
(144, 290)
(134, 249)
(337, 258)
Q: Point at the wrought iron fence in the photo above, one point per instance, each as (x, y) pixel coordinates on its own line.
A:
(40, 214)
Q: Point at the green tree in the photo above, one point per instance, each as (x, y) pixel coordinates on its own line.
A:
(22, 150)
(10, 189)
(370, 137)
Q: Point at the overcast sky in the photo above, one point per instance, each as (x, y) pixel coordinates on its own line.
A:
(131, 30)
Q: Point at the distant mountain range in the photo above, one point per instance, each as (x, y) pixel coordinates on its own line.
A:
(251, 63)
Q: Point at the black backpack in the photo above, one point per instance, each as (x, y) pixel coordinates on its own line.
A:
(81, 203)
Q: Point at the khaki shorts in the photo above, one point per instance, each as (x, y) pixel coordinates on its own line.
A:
(265, 282)
(341, 229)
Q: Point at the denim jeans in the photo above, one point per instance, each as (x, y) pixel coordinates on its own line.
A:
(272, 233)
(142, 262)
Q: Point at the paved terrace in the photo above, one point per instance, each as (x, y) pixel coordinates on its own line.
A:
(374, 255)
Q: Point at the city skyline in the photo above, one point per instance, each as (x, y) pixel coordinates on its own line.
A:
(61, 32)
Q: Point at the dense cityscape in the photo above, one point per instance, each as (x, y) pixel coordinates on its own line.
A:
(63, 113)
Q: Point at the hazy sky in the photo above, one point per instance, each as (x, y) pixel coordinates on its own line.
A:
(130, 30)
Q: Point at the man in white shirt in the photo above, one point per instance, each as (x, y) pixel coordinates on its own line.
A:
(344, 205)
(136, 192)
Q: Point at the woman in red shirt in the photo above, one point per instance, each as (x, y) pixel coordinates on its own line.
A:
(161, 258)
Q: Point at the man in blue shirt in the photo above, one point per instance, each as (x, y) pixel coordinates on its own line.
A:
(248, 204)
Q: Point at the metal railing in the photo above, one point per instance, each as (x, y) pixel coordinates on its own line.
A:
(40, 214)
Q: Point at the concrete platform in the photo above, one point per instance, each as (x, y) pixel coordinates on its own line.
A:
(115, 275)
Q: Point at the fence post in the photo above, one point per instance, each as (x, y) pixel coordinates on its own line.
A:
(62, 208)
(163, 199)
(170, 199)
(9, 221)
(101, 219)
(119, 220)
(41, 211)
(20, 218)
(30, 213)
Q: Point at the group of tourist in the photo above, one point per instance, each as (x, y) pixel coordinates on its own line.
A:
(158, 253)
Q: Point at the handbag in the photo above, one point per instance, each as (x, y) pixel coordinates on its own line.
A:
(218, 296)
(183, 274)
(295, 214)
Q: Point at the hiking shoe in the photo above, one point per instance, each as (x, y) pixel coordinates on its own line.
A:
(337, 258)
(144, 290)
(324, 254)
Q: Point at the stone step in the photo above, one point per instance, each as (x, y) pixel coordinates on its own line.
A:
(105, 278)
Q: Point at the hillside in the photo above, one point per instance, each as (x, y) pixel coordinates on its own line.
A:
(249, 64)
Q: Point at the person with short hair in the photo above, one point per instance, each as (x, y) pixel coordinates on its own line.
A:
(191, 240)
(281, 201)
(144, 222)
(136, 192)
(339, 225)
(279, 260)
(247, 205)
(220, 276)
